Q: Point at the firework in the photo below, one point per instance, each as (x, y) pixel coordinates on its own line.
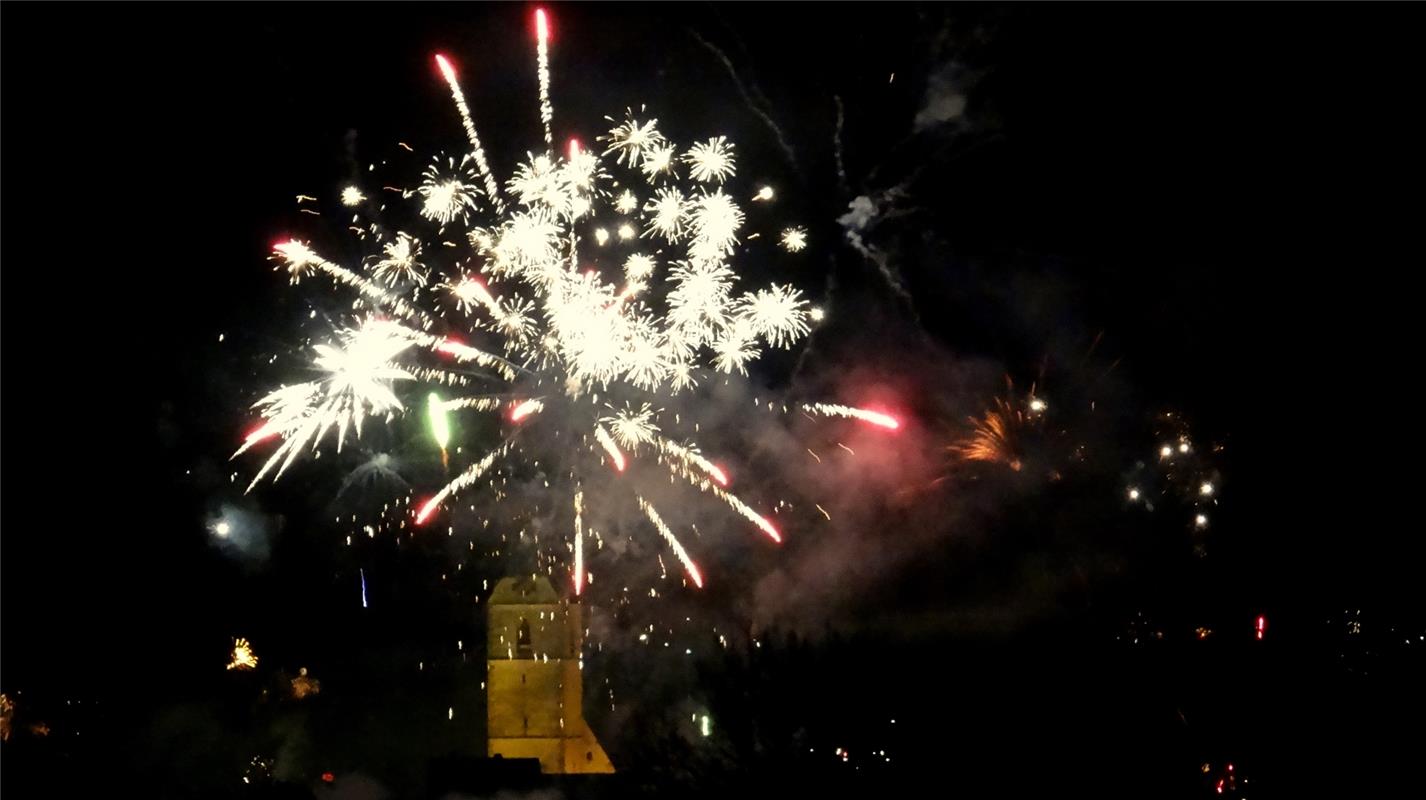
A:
(440, 425)
(578, 542)
(304, 685)
(400, 261)
(673, 543)
(992, 438)
(477, 152)
(243, 657)
(1007, 431)
(874, 417)
(583, 340)
(1180, 472)
(794, 240)
(547, 109)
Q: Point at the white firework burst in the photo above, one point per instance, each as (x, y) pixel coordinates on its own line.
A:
(563, 330)
(449, 190)
(710, 161)
(632, 427)
(639, 267)
(667, 213)
(627, 203)
(777, 314)
(658, 162)
(401, 262)
(632, 140)
(794, 240)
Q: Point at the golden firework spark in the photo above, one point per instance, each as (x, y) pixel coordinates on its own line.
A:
(305, 685)
(992, 437)
(243, 656)
(7, 713)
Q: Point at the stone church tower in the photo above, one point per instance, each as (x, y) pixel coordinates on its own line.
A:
(535, 691)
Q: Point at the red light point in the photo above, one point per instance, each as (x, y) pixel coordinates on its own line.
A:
(425, 512)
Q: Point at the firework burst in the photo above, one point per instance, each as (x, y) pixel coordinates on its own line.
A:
(577, 339)
(1002, 434)
(243, 657)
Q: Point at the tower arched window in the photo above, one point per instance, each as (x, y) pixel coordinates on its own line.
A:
(523, 648)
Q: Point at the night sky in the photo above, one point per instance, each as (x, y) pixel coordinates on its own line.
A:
(1187, 208)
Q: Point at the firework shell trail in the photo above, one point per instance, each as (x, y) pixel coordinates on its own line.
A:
(578, 542)
(491, 189)
(865, 415)
(547, 109)
(673, 543)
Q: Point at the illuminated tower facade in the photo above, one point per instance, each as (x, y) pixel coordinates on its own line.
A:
(535, 690)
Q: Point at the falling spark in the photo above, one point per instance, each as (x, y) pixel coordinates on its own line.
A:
(673, 543)
(352, 196)
(690, 455)
(363, 587)
(607, 442)
(471, 475)
(764, 194)
(1261, 626)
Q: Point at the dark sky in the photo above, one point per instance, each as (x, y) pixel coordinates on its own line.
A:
(1175, 176)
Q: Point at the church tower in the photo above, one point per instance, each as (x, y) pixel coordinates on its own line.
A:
(535, 691)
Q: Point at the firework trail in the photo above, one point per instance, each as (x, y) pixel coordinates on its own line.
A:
(874, 417)
(578, 542)
(673, 543)
(547, 110)
(491, 190)
(584, 333)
